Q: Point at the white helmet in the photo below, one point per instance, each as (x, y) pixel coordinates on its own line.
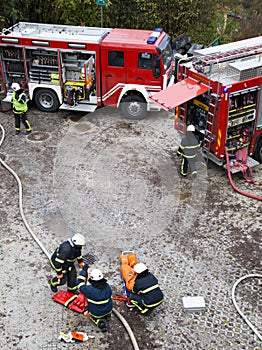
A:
(140, 267)
(78, 239)
(15, 87)
(191, 128)
(96, 275)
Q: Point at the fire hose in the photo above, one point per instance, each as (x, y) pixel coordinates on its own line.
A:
(234, 186)
(48, 255)
(237, 307)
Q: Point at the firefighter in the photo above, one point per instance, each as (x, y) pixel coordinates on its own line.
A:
(99, 296)
(63, 262)
(189, 149)
(146, 293)
(20, 108)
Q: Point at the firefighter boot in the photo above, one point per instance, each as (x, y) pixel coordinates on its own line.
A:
(102, 326)
(53, 288)
(132, 259)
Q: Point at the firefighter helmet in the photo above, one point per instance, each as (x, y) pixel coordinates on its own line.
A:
(96, 275)
(140, 267)
(78, 239)
(191, 128)
(15, 87)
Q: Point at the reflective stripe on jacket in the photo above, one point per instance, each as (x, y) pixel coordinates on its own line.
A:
(148, 289)
(189, 146)
(65, 256)
(99, 297)
(19, 102)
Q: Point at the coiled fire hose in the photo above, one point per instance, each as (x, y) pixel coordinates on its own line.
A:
(234, 186)
(20, 190)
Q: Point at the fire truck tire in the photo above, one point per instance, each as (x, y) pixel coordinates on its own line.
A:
(258, 151)
(46, 100)
(134, 107)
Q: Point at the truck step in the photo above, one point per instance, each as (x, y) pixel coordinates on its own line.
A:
(250, 162)
(80, 107)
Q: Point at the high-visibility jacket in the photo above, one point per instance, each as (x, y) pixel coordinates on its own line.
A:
(98, 294)
(146, 286)
(65, 256)
(189, 146)
(19, 102)
(129, 276)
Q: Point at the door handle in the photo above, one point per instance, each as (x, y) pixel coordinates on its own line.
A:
(109, 76)
(138, 78)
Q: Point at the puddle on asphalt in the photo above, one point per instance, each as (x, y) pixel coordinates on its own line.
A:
(184, 196)
(38, 136)
(75, 118)
(57, 225)
(82, 127)
(123, 125)
(121, 156)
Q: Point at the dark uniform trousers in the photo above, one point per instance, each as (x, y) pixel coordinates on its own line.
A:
(23, 117)
(69, 276)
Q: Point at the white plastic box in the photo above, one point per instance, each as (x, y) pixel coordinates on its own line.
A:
(193, 304)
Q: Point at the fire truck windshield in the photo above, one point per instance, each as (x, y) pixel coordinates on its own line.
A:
(166, 51)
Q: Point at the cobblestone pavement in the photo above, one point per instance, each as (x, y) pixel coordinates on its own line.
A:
(115, 182)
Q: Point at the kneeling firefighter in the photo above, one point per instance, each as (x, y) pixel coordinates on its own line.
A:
(99, 296)
(146, 293)
(142, 286)
(63, 262)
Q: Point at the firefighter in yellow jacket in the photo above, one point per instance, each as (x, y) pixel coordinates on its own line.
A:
(20, 108)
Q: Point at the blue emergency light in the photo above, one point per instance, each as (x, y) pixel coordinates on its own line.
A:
(153, 37)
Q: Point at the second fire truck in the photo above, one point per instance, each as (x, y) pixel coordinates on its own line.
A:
(82, 68)
(219, 92)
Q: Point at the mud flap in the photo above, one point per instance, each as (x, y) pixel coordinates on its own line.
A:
(73, 302)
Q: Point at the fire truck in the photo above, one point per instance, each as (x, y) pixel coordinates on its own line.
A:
(219, 92)
(81, 68)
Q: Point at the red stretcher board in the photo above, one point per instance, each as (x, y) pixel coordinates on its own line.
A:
(179, 93)
(73, 302)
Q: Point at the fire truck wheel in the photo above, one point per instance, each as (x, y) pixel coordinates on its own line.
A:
(46, 100)
(258, 151)
(134, 107)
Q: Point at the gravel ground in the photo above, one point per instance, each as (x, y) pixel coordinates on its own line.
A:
(115, 182)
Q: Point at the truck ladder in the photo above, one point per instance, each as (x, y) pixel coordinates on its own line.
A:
(209, 137)
(182, 117)
(201, 63)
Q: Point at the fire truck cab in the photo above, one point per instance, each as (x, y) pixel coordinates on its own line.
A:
(219, 92)
(80, 68)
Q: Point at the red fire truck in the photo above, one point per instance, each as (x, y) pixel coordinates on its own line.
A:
(82, 68)
(219, 91)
